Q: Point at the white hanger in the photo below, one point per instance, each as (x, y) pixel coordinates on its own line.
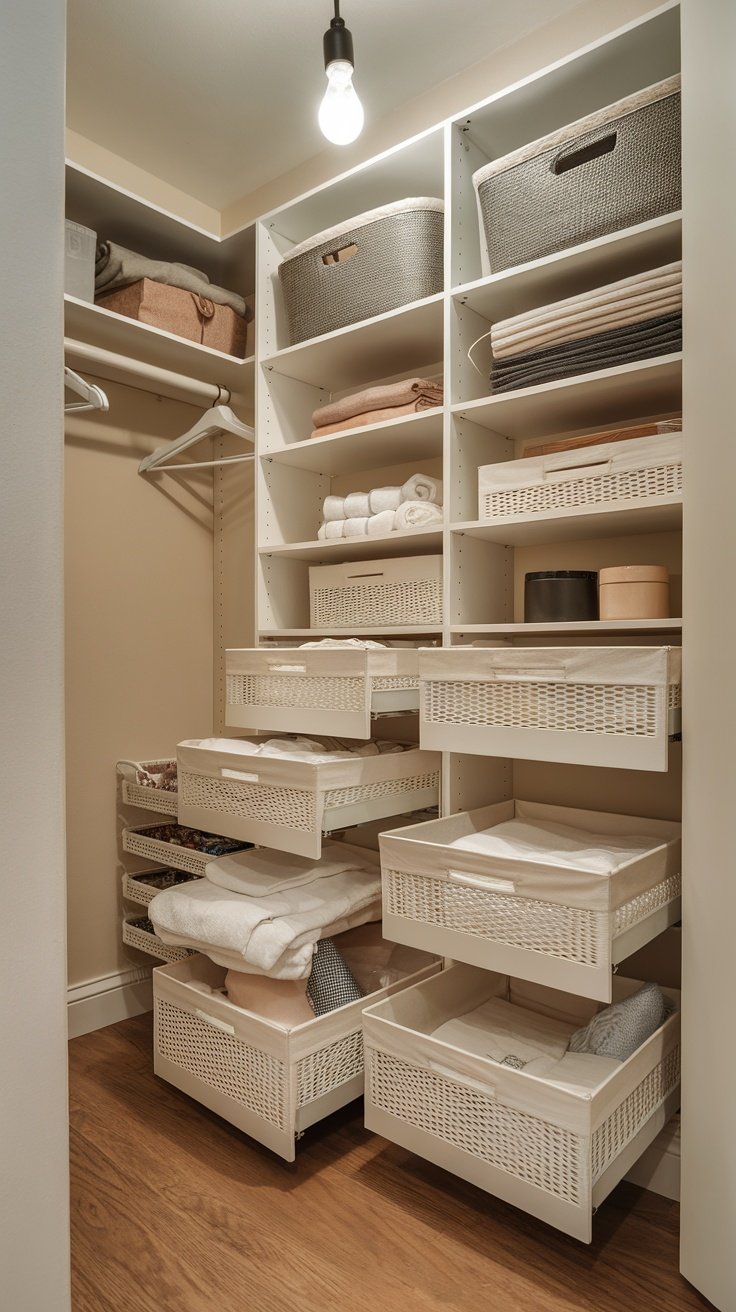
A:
(93, 397)
(219, 419)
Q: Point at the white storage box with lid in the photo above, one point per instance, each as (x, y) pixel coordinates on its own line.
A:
(138, 933)
(289, 804)
(146, 796)
(611, 475)
(553, 1152)
(617, 167)
(368, 265)
(270, 1082)
(406, 590)
(608, 706)
(323, 690)
(541, 920)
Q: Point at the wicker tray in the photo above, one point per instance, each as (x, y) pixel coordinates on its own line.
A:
(138, 933)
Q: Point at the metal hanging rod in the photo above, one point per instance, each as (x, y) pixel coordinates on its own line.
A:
(147, 377)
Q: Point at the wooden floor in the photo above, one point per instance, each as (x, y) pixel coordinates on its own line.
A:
(175, 1211)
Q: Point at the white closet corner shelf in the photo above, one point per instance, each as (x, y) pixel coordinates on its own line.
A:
(270, 1082)
(289, 804)
(605, 706)
(551, 1150)
(540, 920)
(160, 800)
(318, 690)
(138, 935)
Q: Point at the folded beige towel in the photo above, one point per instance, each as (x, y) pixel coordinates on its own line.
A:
(409, 391)
(421, 404)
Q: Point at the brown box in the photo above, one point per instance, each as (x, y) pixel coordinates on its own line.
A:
(182, 313)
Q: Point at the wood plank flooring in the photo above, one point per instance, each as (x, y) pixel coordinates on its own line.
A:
(173, 1210)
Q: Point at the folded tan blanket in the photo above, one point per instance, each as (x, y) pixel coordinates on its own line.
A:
(117, 267)
(377, 416)
(405, 392)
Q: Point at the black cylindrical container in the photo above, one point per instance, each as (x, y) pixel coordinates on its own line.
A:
(554, 596)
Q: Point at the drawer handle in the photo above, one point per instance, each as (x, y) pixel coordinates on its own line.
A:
(572, 159)
(339, 256)
(563, 474)
(214, 1022)
(527, 676)
(466, 1081)
(376, 574)
(488, 882)
(241, 776)
(287, 669)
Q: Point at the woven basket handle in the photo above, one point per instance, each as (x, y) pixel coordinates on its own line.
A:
(575, 156)
(340, 255)
(241, 776)
(523, 674)
(214, 1021)
(488, 882)
(567, 473)
(280, 668)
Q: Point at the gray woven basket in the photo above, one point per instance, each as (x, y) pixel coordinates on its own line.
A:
(399, 259)
(625, 171)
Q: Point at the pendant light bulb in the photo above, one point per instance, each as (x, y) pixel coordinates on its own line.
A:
(341, 113)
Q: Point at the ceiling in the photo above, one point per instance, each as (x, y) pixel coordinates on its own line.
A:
(217, 97)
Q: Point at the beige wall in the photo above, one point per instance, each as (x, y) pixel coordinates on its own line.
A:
(139, 605)
(34, 1206)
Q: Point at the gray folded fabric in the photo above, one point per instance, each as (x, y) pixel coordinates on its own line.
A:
(640, 341)
(117, 267)
(620, 1029)
(331, 983)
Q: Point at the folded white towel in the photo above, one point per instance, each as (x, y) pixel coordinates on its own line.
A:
(548, 843)
(422, 487)
(414, 514)
(368, 643)
(384, 498)
(260, 872)
(499, 1029)
(356, 527)
(383, 522)
(333, 528)
(333, 508)
(357, 505)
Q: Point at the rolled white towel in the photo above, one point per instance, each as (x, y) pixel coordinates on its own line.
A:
(357, 505)
(417, 514)
(334, 508)
(422, 487)
(357, 527)
(384, 498)
(334, 528)
(385, 522)
(322, 532)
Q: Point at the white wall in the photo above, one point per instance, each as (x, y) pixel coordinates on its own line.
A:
(709, 1075)
(34, 1209)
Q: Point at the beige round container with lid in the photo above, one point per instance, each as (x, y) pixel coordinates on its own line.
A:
(634, 592)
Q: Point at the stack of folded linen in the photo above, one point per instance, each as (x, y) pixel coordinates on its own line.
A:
(418, 504)
(634, 319)
(374, 405)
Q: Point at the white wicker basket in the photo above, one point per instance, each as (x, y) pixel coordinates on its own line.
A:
(608, 706)
(612, 475)
(159, 800)
(142, 841)
(143, 886)
(270, 1082)
(144, 940)
(289, 804)
(554, 1153)
(390, 593)
(333, 691)
(544, 922)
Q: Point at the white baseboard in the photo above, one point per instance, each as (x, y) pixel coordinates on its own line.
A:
(658, 1168)
(104, 1001)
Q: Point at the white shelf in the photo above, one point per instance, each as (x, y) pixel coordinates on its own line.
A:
(396, 441)
(630, 391)
(656, 515)
(388, 632)
(411, 542)
(404, 339)
(590, 627)
(88, 323)
(567, 273)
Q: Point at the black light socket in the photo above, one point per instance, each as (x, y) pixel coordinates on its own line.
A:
(337, 43)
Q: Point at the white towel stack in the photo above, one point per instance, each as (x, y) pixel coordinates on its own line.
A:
(418, 504)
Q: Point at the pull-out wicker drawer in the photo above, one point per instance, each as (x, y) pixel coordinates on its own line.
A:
(270, 1082)
(542, 921)
(609, 706)
(142, 887)
(147, 797)
(178, 846)
(138, 933)
(333, 691)
(384, 594)
(552, 1152)
(289, 804)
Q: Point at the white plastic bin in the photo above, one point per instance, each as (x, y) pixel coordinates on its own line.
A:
(80, 245)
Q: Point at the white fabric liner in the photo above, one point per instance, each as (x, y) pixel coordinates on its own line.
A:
(670, 86)
(548, 842)
(297, 749)
(361, 220)
(632, 454)
(624, 666)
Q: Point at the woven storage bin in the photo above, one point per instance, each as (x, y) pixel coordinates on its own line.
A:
(612, 475)
(544, 922)
(370, 593)
(270, 1082)
(553, 1153)
(333, 691)
(146, 940)
(617, 167)
(182, 313)
(148, 799)
(288, 805)
(142, 841)
(376, 262)
(610, 706)
(143, 887)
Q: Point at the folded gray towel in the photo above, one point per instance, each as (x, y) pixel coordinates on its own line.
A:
(620, 1029)
(603, 351)
(117, 267)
